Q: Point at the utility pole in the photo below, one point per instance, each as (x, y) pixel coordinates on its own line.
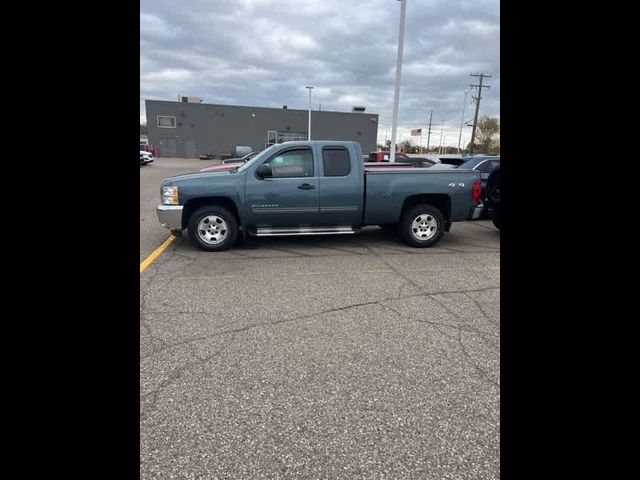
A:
(477, 99)
(441, 132)
(309, 87)
(466, 92)
(396, 96)
(429, 134)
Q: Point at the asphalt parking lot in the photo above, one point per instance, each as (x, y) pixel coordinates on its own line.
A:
(318, 357)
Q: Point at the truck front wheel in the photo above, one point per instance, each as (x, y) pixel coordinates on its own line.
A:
(422, 226)
(212, 228)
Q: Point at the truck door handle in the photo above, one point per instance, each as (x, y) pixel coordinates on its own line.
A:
(306, 186)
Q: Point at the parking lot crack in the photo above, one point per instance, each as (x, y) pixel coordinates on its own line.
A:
(469, 358)
(177, 374)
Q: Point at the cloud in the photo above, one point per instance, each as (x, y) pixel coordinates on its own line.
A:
(263, 52)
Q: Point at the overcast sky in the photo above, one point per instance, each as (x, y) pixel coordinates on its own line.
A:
(264, 52)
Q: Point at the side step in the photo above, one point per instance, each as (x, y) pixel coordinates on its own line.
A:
(281, 231)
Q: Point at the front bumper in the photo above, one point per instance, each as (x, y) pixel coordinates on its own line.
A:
(170, 216)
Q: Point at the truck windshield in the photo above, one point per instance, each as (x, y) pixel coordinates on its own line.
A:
(255, 159)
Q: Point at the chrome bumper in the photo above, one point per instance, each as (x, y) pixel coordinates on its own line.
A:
(476, 212)
(170, 216)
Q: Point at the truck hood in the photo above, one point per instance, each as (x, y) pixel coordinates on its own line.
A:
(188, 177)
(222, 167)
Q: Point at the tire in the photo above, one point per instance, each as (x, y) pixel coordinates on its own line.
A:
(493, 188)
(220, 227)
(495, 216)
(426, 217)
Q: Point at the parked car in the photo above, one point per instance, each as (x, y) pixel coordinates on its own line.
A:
(419, 162)
(388, 165)
(315, 188)
(383, 156)
(452, 161)
(437, 161)
(145, 157)
(229, 164)
(492, 200)
(484, 164)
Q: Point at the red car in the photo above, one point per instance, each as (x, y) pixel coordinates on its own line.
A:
(383, 156)
(387, 165)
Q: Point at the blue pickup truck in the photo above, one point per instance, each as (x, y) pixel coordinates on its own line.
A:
(315, 188)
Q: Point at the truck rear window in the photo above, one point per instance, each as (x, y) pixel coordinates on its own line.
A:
(335, 161)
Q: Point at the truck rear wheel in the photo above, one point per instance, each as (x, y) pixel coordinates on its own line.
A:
(422, 226)
(212, 228)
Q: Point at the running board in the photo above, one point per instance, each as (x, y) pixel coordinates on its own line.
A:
(275, 232)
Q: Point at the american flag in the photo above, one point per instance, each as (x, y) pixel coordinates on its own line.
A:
(416, 132)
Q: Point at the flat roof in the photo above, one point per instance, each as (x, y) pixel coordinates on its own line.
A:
(260, 108)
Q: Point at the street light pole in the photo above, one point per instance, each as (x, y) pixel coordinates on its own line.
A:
(396, 97)
(309, 87)
(466, 92)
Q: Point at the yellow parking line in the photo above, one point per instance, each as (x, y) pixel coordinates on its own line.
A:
(149, 260)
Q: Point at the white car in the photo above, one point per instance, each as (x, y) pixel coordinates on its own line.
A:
(145, 157)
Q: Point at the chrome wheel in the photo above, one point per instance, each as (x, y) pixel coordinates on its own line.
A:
(424, 227)
(213, 229)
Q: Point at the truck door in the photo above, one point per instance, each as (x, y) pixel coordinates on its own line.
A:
(290, 196)
(340, 186)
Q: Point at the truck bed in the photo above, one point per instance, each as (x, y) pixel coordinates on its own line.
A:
(386, 190)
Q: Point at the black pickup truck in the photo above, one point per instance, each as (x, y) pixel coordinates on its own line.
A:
(492, 194)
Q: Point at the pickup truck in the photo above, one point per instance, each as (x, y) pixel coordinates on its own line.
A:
(315, 188)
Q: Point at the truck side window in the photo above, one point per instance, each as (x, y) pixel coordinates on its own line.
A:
(292, 163)
(336, 161)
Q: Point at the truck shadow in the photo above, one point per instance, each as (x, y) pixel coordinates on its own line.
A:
(478, 238)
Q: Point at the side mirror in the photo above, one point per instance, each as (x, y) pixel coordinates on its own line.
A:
(264, 171)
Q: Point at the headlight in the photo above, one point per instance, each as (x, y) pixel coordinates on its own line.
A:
(169, 195)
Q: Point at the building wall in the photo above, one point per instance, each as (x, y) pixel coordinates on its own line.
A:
(202, 129)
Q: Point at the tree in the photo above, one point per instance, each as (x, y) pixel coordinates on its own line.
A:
(143, 129)
(450, 150)
(487, 135)
(406, 146)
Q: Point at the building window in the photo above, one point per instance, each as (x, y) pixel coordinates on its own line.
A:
(291, 136)
(274, 137)
(165, 121)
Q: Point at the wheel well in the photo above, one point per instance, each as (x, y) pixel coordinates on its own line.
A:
(439, 200)
(193, 205)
